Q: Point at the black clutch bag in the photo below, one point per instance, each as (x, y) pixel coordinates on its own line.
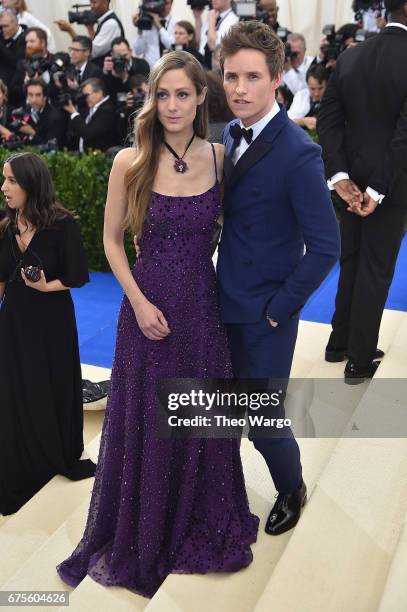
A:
(33, 273)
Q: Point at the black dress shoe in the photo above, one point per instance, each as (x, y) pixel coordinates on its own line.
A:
(354, 375)
(286, 511)
(334, 355)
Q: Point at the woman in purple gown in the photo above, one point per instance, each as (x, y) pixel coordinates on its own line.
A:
(164, 505)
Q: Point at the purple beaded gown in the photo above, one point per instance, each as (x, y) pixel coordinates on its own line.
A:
(166, 505)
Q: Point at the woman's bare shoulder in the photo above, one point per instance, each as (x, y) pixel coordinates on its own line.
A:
(125, 157)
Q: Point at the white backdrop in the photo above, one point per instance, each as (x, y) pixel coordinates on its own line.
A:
(305, 16)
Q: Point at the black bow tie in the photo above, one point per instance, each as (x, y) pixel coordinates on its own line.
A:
(238, 132)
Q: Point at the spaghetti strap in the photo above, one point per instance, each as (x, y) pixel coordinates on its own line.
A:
(214, 161)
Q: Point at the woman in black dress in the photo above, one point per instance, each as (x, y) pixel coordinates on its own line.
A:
(41, 412)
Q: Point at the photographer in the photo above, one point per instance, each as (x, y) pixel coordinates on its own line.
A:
(80, 52)
(370, 14)
(36, 64)
(42, 122)
(12, 44)
(155, 29)
(297, 63)
(128, 108)
(108, 27)
(5, 113)
(185, 40)
(305, 106)
(120, 66)
(27, 19)
(221, 17)
(334, 42)
(270, 9)
(96, 130)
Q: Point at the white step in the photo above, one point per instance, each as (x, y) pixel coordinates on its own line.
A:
(27, 530)
(340, 552)
(394, 597)
(239, 592)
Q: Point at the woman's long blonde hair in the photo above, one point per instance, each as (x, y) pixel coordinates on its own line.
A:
(140, 176)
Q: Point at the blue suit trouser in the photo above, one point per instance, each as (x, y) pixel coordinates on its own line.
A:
(264, 353)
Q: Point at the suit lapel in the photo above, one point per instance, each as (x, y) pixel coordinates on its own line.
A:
(256, 151)
(228, 166)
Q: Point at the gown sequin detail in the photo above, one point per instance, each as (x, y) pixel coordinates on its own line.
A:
(166, 505)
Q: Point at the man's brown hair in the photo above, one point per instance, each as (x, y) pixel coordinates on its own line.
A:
(254, 35)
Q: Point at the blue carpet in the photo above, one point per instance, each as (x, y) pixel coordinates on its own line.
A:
(97, 306)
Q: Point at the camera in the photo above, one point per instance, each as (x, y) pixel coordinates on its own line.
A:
(38, 64)
(179, 47)
(19, 117)
(33, 273)
(120, 63)
(248, 10)
(145, 21)
(82, 17)
(199, 4)
(335, 43)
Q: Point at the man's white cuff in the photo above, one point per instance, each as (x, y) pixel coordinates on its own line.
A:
(375, 195)
(339, 176)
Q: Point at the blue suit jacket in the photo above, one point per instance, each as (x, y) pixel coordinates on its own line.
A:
(276, 202)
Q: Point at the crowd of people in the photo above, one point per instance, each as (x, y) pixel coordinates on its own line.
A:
(88, 98)
(179, 504)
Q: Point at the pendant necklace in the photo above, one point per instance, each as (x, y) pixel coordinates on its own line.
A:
(179, 164)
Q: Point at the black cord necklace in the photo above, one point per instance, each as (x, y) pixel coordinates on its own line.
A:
(179, 165)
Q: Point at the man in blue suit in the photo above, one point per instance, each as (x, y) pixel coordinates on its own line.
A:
(280, 238)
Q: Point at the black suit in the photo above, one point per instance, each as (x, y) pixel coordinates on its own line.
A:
(100, 132)
(92, 71)
(51, 124)
(10, 53)
(362, 126)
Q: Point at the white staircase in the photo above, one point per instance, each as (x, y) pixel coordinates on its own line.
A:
(348, 553)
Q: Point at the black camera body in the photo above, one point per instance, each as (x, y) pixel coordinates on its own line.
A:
(120, 63)
(38, 64)
(199, 4)
(17, 119)
(145, 21)
(86, 17)
(289, 53)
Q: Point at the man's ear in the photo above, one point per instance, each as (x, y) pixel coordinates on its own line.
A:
(277, 81)
(202, 96)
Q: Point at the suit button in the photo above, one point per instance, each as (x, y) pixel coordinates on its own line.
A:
(247, 227)
(255, 191)
(248, 262)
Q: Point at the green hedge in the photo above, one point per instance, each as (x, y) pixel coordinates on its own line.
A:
(81, 185)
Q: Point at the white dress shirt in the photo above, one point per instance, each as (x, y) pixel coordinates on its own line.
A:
(295, 78)
(340, 176)
(228, 18)
(102, 42)
(257, 128)
(301, 105)
(147, 42)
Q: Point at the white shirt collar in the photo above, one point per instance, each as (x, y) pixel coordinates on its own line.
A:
(103, 16)
(17, 34)
(261, 123)
(394, 24)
